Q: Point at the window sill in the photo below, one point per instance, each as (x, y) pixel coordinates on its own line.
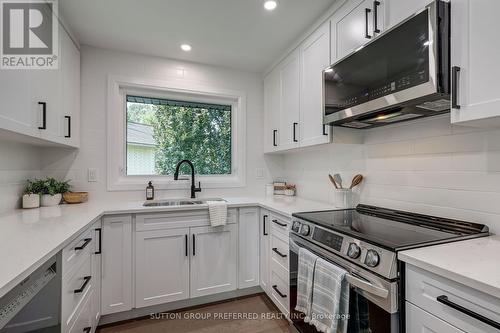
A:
(139, 183)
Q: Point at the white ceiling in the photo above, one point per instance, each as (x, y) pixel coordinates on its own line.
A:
(229, 33)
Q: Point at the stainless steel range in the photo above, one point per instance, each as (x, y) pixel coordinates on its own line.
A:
(365, 241)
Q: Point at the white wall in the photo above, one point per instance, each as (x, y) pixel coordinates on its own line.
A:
(428, 166)
(18, 162)
(96, 65)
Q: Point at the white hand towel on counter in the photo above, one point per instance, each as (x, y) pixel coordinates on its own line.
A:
(330, 298)
(218, 212)
(305, 275)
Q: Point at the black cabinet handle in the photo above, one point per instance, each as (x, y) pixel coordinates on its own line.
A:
(194, 245)
(324, 129)
(275, 287)
(44, 115)
(264, 218)
(274, 138)
(275, 249)
(186, 244)
(295, 132)
(87, 329)
(99, 230)
(279, 223)
(376, 30)
(86, 281)
(444, 300)
(69, 127)
(454, 87)
(367, 14)
(84, 245)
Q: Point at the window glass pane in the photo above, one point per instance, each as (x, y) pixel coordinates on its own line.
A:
(161, 132)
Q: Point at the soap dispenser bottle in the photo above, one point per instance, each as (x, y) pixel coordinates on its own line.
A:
(150, 191)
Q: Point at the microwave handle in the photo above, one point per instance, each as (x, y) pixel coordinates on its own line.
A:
(367, 286)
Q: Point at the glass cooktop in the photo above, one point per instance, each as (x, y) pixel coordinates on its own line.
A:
(392, 229)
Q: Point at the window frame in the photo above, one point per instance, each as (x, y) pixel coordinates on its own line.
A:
(120, 87)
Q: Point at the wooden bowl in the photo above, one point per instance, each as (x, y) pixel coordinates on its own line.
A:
(75, 197)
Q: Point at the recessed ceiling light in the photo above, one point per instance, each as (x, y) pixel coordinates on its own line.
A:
(186, 47)
(270, 4)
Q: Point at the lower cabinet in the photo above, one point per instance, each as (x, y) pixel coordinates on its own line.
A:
(420, 321)
(248, 247)
(162, 266)
(116, 295)
(265, 254)
(213, 259)
(96, 273)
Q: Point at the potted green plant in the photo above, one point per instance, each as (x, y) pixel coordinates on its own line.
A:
(51, 191)
(31, 195)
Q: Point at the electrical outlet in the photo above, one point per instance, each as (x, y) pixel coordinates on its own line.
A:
(259, 173)
(93, 175)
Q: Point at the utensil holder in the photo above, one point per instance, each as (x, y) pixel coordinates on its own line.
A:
(343, 198)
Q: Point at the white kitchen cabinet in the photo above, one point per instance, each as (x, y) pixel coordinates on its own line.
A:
(265, 254)
(355, 24)
(474, 32)
(289, 102)
(116, 294)
(420, 321)
(398, 10)
(96, 272)
(162, 266)
(213, 265)
(248, 247)
(314, 58)
(272, 107)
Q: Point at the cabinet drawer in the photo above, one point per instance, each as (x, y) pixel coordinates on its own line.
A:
(279, 251)
(280, 226)
(75, 288)
(280, 288)
(418, 321)
(423, 289)
(178, 219)
(84, 318)
(79, 248)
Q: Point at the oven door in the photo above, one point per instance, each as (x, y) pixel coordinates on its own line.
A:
(373, 301)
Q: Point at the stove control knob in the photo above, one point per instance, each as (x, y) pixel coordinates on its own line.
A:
(296, 226)
(372, 258)
(305, 230)
(353, 251)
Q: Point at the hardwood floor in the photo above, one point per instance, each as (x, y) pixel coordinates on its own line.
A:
(255, 314)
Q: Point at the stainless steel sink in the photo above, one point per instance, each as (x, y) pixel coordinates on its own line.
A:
(179, 202)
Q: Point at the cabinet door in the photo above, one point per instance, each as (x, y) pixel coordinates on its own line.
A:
(420, 321)
(96, 272)
(248, 243)
(355, 24)
(272, 109)
(116, 294)
(474, 27)
(265, 253)
(289, 101)
(314, 58)
(161, 266)
(213, 259)
(400, 10)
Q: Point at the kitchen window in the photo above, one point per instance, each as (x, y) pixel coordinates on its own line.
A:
(162, 132)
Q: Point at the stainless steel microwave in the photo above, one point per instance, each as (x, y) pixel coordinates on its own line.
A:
(402, 74)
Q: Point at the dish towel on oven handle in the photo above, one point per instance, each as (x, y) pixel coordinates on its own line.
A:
(330, 298)
(305, 275)
(218, 213)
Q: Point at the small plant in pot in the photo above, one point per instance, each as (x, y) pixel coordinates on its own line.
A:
(50, 190)
(31, 195)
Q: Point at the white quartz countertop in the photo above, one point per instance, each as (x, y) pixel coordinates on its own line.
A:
(474, 263)
(30, 237)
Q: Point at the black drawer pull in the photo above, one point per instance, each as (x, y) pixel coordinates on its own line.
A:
(454, 87)
(99, 230)
(44, 115)
(275, 249)
(264, 232)
(279, 223)
(367, 14)
(275, 287)
(87, 329)
(84, 245)
(444, 300)
(85, 283)
(295, 132)
(69, 127)
(186, 245)
(375, 16)
(274, 138)
(194, 245)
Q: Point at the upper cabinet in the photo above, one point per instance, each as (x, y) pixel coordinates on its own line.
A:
(44, 104)
(272, 107)
(355, 24)
(289, 101)
(475, 69)
(398, 10)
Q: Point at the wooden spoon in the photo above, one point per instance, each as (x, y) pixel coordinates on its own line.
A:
(333, 181)
(356, 180)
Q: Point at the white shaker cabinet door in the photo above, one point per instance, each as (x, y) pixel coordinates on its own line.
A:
(248, 243)
(272, 107)
(162, 266)
(289, 102)
(213, 259)
(265, 254)
(420, 321)
(116, 294)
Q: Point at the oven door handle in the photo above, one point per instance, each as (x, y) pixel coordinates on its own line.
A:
(367, 286)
